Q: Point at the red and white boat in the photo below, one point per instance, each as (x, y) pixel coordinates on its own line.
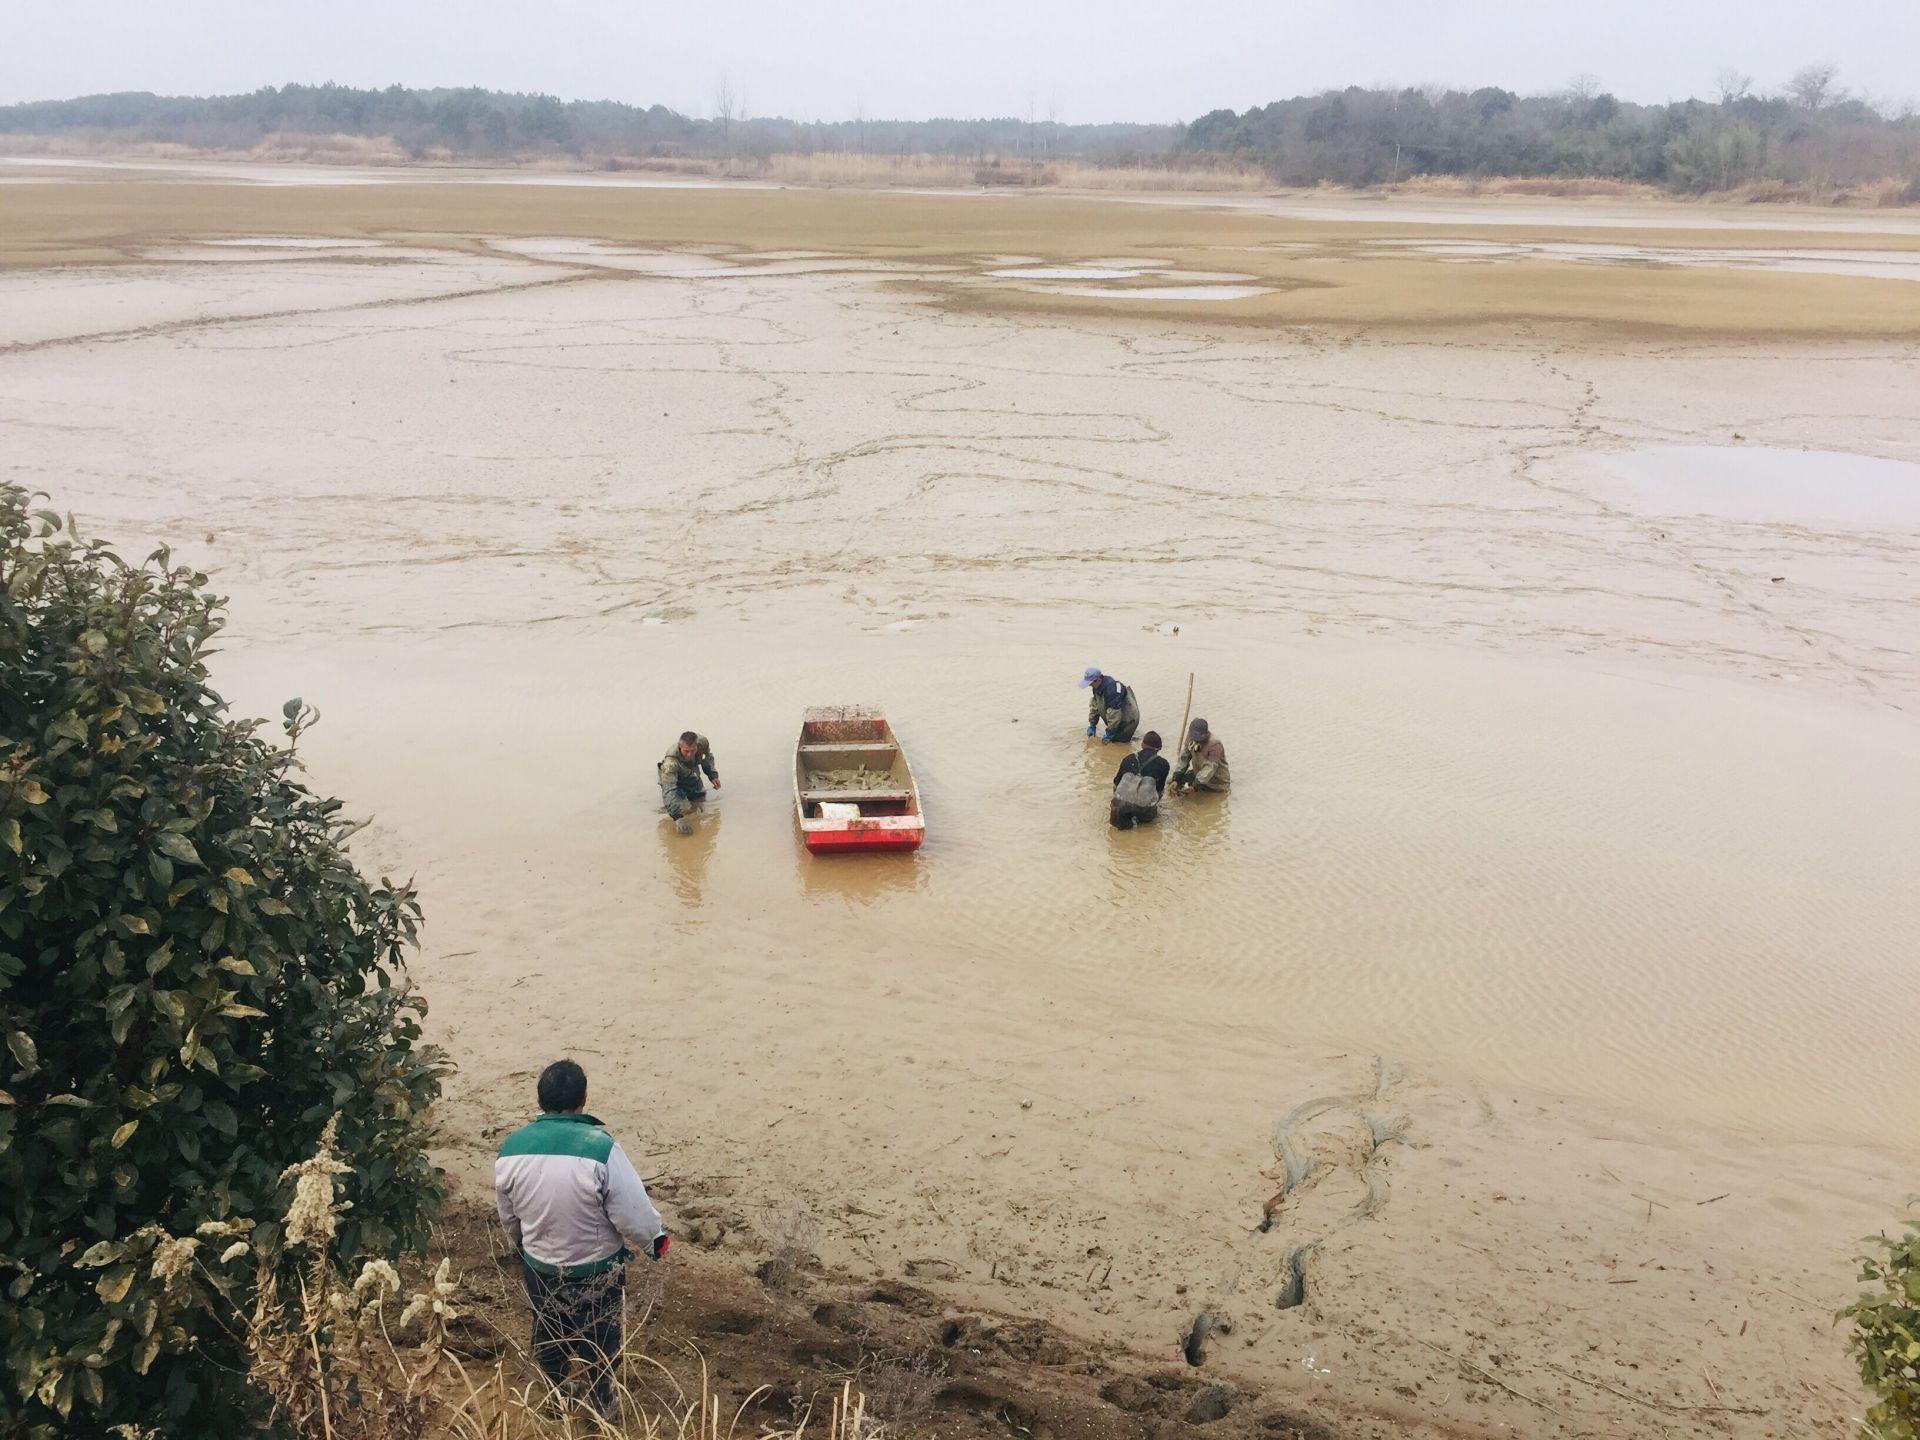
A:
(852, 787)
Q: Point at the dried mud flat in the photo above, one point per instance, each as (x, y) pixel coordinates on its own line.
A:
(1499, 1058)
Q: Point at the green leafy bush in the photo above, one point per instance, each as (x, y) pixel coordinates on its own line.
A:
(193, 980)
(1886, 1335)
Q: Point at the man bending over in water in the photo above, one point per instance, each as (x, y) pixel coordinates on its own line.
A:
(1138, 785)
(680, 771)
(1203, 761)
(1112, 702)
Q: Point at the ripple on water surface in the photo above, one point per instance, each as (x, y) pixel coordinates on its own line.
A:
(1692, 899)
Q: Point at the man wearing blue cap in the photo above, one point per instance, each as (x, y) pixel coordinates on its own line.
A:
(1112, 702)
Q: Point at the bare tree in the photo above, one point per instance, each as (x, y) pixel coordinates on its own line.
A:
(726, 107)
(1732, 84)
(1812, 86)
(1582, 88)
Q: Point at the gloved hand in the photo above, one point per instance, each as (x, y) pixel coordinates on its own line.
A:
(1093, 726)
(660, 1245)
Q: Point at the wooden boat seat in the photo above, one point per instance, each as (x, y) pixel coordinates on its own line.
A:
(843, 747)
(854, 796)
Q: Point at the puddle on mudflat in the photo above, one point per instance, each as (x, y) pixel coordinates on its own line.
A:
(1757, 483)
(617, 257)
(1193, 284)
(694, 265)
(1062, 272)
(832, 266)
(236, 252)
(1225, 276)
(1154, 292)
(1872, 264)
(292, 242)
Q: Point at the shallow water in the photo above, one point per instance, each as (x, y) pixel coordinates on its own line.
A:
(292, 242)
(1759, 483)
(1063, 272)
(1520, 214)
(616, 257)
(1681, 900)
(1158, 292)
(1871, 264)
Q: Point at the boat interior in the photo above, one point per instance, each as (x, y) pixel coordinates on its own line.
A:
(852, 760)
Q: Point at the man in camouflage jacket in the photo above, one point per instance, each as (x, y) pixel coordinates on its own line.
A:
(680, 772)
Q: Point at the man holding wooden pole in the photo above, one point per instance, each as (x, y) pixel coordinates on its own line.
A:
(1203, 761)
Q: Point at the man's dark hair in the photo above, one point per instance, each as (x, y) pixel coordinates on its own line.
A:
(687, 737)
(1150, 740)
(563, 1086)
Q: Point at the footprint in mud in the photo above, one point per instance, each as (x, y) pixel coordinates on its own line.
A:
(1307, 1159)
(1293, 1280)
(1198, 1333)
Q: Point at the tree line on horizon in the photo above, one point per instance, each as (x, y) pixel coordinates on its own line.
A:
(471, 123)
(1810, 134)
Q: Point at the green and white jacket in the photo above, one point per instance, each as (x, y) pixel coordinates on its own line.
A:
(570, 1200)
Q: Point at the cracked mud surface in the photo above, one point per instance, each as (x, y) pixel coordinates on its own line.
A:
(1594, 813)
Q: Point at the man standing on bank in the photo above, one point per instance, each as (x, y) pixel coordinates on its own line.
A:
(1111, 702)
(575, 1211)
(680, 772)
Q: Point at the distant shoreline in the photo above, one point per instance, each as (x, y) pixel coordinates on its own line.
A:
(827, 169)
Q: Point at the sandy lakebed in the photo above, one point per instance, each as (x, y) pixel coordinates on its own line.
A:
(1555, 594)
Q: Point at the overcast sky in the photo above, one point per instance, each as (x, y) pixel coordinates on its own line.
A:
(1076, 60)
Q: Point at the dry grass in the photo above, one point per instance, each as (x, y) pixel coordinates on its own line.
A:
(901, 1389)
(329, 150)
(654, 1406)
(1196, 179)
(793, 1237)
(947, 172)
(360, 1360)
(1551, 186)
(289, 148)
(1874, 195)
(881, 172)
(56, 147)
(857, 170)
(823, 169)
(1878, 194)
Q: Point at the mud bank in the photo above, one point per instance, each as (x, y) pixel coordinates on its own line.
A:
(1313, 266)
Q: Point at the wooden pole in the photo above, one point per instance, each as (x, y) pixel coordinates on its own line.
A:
(1181, 739)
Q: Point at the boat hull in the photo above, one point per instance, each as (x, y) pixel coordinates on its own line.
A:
(857, 839)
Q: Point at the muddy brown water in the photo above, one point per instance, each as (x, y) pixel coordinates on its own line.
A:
(1684, 900)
